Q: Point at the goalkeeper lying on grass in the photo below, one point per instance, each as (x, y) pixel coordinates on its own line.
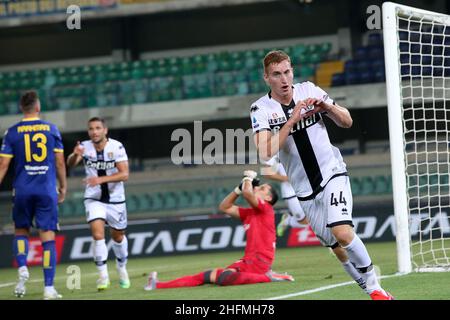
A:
(259, 224)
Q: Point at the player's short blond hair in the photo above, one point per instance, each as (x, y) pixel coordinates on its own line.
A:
(275, 57)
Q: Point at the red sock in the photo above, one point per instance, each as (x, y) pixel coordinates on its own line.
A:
(237, 278)
(186, 281)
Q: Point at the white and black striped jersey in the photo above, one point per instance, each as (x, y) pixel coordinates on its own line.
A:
(286, 188)
(103, 163)
(308, 156)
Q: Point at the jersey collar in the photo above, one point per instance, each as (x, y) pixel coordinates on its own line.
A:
(30, 119)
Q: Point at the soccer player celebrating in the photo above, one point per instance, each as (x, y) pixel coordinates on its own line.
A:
(289, 121)
(259, 223)
(36, 149)
(106, 165)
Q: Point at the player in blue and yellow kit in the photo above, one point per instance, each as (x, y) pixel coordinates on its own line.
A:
(35, 147)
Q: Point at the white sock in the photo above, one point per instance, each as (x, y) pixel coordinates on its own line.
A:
(360, 258)
(23, 270)
(371, 281)
(355, 275)
(121, 251)
(100, 257)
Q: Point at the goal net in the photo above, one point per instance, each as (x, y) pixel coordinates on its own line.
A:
(417, 55)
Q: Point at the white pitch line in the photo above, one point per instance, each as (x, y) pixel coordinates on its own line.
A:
(302, 293)
(9, 284)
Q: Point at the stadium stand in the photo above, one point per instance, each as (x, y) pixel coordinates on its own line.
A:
(226, 73)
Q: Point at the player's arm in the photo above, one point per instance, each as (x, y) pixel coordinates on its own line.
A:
(76, 156)
(272, 175)
(228, 207)
(247, 192)
(340, 115)
(4, 165)
(61, 176)
(268, 144)
(121, 175)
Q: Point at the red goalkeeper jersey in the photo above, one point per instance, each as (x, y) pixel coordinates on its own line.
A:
(259, 225)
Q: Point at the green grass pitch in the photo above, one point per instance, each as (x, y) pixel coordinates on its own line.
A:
(312, 268)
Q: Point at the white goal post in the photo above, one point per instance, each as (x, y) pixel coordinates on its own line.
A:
(417, 62)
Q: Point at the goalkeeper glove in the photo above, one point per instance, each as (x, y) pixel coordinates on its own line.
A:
(250, 173)
(238, 189)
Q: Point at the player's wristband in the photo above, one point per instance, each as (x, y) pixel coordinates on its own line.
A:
(237, 191)
(247, 178)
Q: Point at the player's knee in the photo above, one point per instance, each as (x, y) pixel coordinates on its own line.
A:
(98, 235)
(344, 234)
(117, 235)
(340, 253)
(223, 278)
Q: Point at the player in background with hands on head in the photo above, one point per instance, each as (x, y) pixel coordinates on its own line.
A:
(259, 223)
(35, 147)
(106, 165)
(289, 121)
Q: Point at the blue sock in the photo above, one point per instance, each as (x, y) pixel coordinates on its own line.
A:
(49, 262)
(20, 249)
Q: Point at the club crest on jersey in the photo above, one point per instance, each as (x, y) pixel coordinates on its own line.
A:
(110, 155)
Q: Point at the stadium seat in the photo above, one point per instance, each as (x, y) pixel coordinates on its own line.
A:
(367, 185)
(170, 201)
(361, 53)
(184, 199)
(197, 200)
(338, 79)
(375, 39)
(381, 185)
(355, 186)
(157, 201)
(209, 198)
(133, 203)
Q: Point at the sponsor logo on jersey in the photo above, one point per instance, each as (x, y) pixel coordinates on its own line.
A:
(277, 120)
(99, 165)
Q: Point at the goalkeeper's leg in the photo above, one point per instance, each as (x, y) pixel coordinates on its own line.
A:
(295, 217)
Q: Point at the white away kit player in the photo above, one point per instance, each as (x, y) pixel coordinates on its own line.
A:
(106, 165)
(289, 121)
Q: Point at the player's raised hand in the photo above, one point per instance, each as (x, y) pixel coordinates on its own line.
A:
(297, 114)
(250, 174)
(316, 105)
(78, 149)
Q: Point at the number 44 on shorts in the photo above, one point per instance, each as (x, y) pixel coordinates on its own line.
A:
(334, 200)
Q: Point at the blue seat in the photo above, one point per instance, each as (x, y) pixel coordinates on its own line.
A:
(366, 76)
(363, 66)
(350, 66)
(375, 39)
(338, 79)
(352, 78)
(379, 75)
(376, 52)
(361, 53)
(378, 65)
